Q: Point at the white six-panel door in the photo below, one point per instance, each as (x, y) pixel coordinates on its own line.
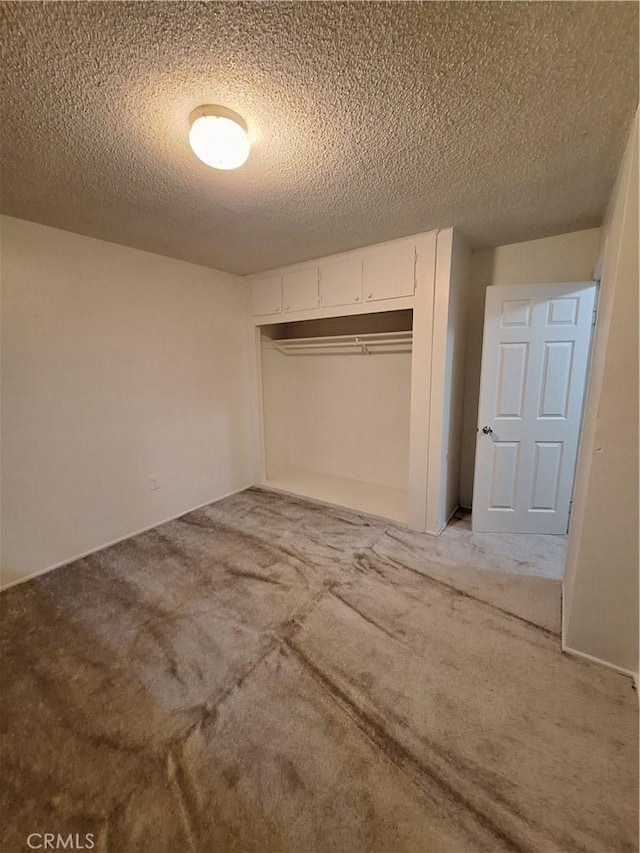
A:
(535, 355)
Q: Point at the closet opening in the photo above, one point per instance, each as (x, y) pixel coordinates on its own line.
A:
(336, 410)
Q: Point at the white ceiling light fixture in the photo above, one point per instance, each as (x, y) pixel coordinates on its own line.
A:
(218, 137)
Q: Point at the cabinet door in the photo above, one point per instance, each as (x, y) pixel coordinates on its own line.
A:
(341, 282)
(300, 290)
(266, 295)
(389, 271)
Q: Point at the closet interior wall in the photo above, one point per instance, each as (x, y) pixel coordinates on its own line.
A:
(337, 417)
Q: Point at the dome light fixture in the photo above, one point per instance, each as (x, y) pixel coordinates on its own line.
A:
(218, 137)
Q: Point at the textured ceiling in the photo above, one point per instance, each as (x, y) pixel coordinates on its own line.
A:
(369, 121)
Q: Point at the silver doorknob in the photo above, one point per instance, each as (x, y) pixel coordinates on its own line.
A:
(487, 430)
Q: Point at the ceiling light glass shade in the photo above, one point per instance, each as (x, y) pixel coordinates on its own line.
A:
(218, 137)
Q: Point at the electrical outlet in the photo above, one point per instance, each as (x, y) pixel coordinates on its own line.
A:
(154, 482)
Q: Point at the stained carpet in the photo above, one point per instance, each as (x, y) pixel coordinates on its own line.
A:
(266, 675)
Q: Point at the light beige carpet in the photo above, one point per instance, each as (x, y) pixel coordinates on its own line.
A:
(269, 675)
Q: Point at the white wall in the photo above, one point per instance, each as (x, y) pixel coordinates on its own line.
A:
(117, 365)
(566, 257)
(601, 573)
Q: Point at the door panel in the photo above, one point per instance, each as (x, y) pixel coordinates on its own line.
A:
(556, 379)
(512, 380)
(300, 290)
(389, 271)
(516, 312)
(341, 282)
(547, 463)
(266, 295)
(534, 366)
(563, 312)
(504, 470)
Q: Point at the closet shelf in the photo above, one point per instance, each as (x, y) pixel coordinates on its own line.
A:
(366, 344)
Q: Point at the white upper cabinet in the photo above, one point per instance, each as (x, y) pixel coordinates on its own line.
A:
(266, 295)
(341, 281)
(300, 290)
(385, 271)
(389, 271)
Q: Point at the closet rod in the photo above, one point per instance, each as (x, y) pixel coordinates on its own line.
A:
(365, 344)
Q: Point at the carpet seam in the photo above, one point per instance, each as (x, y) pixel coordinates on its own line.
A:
(403, 760)
(395, 564)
